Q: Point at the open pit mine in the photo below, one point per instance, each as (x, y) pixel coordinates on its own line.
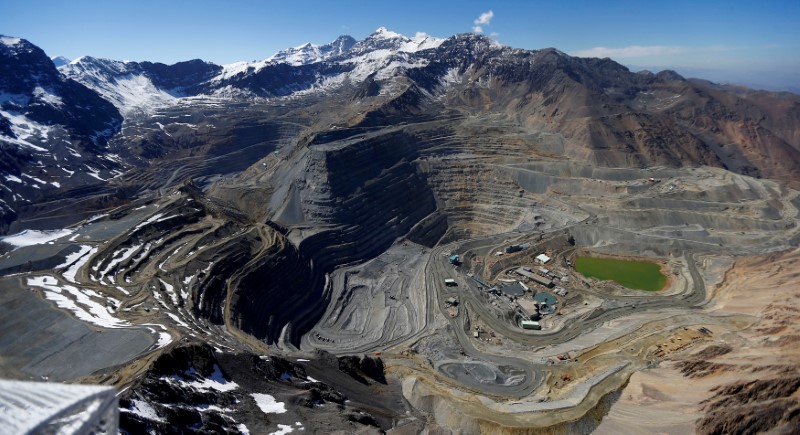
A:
(384, 238)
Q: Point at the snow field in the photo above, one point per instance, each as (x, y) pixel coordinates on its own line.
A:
(268, 404)
(78, 302)
(35, 237)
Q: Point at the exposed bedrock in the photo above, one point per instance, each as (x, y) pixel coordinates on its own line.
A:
(477, 199)
(430, 230)
(697, 208)
(279, 290)
(67, 206)
(232, 256)
(368, 193)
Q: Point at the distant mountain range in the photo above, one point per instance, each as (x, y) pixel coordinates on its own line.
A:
(56, 123)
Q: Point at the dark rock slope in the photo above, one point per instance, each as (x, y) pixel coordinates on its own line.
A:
(194, 389)
(53, 130)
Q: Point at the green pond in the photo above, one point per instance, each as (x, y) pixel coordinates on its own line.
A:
(640, 275)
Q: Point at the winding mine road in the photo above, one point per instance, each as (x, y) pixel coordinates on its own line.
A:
(438, 268)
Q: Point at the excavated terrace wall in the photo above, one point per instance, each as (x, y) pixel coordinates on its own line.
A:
(368, 193)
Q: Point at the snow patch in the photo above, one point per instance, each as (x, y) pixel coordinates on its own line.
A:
(78, 302)
(152, 219)
(283, 429)
(24, 128)
(96, 217)
(178, 320)
(43, 95)
(9, 41)
(35, 237)
(127, 89)
(118, 257)
(144, 410)
(94, 173)
(40, 181)
(268, 404)
(72, 260)
(170, 289)
(164, 338)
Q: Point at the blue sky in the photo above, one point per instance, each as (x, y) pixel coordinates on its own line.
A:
(741, 41)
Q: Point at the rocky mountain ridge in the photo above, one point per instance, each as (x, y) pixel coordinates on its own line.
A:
(606, 114)
(51, 127)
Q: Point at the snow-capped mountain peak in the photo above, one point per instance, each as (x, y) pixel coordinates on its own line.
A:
(78, 60)
(304, 54)
(122, 84)
(384, 33)
(310, 53)
(300, 55)
(9, 41)
(60, 61)
(385, 39)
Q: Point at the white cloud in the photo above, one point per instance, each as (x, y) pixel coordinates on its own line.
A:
(483, 19)
(631, 51)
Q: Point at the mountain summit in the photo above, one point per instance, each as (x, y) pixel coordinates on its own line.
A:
(310, 53)
(60, 61)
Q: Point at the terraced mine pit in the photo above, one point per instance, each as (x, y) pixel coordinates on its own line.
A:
(372, 275)
(412, 258)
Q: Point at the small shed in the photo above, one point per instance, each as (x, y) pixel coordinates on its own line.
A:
(449, 282)
(530, 324)
(542, 259)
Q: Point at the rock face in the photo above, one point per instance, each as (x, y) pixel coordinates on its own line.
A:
(752, 407)
(194, 389)
(34, 88)
(50, 128)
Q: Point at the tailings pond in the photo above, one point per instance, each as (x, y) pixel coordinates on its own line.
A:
(639, 275)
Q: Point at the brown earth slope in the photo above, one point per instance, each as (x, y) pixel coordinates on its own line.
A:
(748, 382)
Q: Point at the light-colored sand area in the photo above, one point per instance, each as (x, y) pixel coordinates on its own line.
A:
(665, 400)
